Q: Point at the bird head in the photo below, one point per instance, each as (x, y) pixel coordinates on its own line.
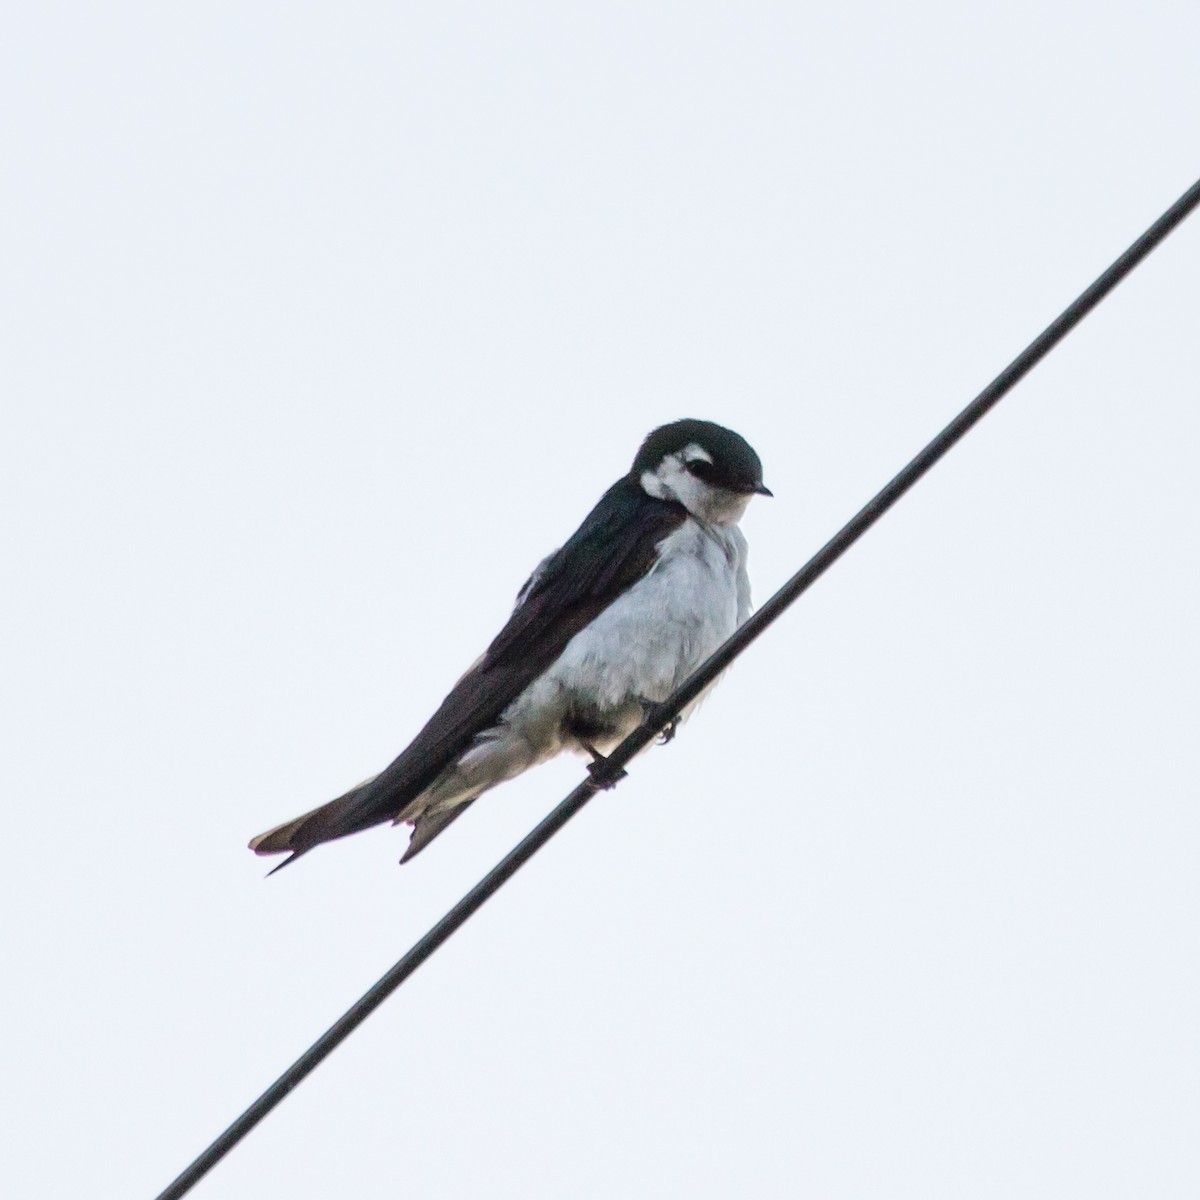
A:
(710, 470)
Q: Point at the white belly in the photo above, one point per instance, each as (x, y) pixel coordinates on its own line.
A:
(646, 642)
(639, 649)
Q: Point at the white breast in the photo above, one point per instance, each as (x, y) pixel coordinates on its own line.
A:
(639, 649)
(646, 642)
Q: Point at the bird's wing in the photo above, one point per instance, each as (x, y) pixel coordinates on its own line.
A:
(616, 545)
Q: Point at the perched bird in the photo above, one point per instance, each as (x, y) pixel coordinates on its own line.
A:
(650, 584)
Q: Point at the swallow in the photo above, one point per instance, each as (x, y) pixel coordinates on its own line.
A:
(606, 627)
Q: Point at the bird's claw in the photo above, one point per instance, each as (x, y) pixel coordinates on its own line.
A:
(668, 731)
(601, 776)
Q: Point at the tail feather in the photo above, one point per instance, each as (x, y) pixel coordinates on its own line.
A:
(279, 839)
(332, 820)
(291, 858)
(428, 825)
(429, 803)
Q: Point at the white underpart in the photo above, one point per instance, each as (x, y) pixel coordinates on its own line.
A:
(638, 649)
(673, 481)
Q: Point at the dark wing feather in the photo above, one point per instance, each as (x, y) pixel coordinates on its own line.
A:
(614, 547)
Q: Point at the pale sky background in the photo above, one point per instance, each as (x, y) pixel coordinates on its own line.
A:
(320, 325)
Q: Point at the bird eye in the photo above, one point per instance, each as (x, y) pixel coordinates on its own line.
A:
(701, 469)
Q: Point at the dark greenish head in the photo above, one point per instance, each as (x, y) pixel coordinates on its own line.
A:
(707, 468)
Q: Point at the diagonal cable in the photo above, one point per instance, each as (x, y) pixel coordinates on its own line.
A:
(610, 771)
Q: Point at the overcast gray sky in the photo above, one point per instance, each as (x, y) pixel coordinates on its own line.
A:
(320, 325)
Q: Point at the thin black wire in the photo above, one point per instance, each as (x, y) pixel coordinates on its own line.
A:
(608, 773)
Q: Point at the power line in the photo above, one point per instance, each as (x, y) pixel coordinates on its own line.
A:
(610, 771)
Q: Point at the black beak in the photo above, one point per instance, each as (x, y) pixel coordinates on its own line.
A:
(763, 490)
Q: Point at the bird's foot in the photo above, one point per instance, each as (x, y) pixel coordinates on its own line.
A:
(668, 731)
(602, 777)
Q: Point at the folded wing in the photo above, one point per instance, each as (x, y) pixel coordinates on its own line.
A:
(615, 546)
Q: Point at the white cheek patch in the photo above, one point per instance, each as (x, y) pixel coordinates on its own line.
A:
(662, 484)
(673, 481)
(652, 485)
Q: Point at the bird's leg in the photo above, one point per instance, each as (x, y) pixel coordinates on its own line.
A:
(597, 765)
(668, 731)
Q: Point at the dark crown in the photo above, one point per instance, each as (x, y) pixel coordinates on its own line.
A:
(734, 462)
